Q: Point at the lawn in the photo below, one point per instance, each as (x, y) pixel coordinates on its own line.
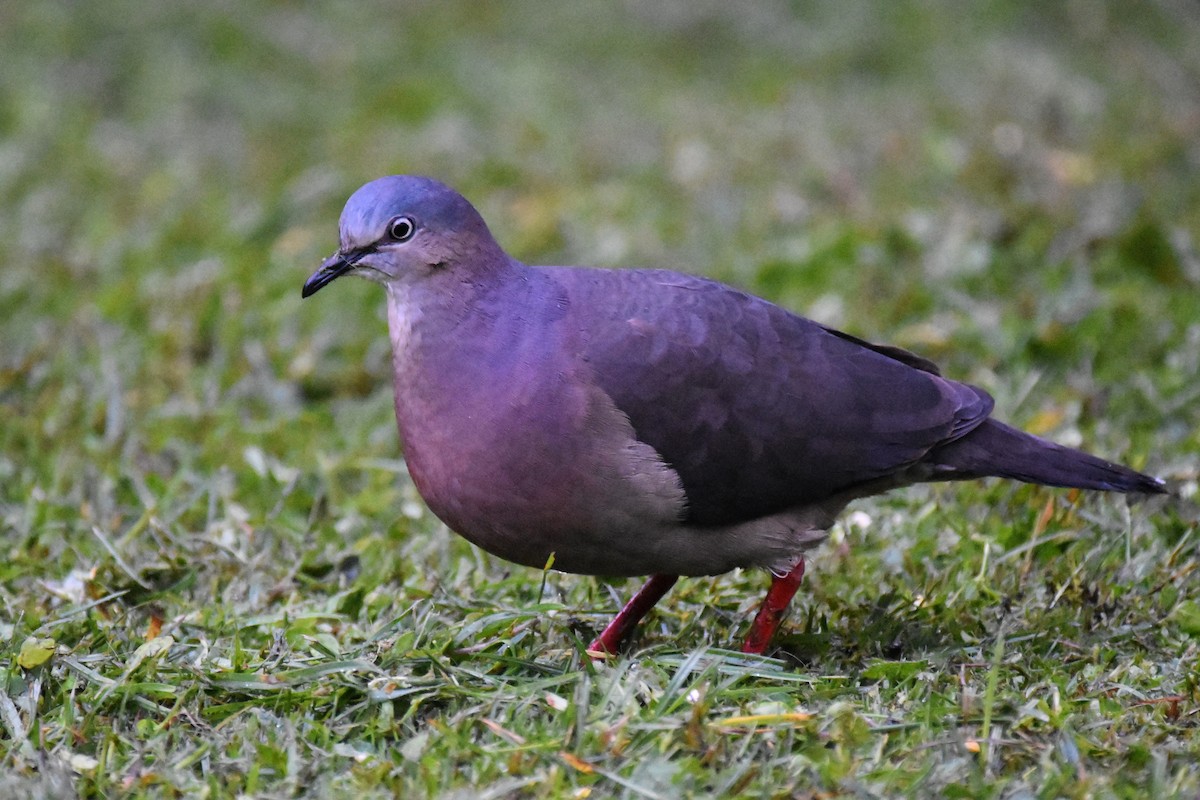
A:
(218, 580)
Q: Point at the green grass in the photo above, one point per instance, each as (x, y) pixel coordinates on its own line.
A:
(218, 580)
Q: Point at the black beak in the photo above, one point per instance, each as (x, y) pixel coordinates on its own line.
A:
(331, 269)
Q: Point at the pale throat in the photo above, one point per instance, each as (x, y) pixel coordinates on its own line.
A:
(404, 318)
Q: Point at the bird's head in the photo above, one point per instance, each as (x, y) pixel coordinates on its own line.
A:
(404, 228)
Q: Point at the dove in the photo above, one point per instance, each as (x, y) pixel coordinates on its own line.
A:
(645, 422)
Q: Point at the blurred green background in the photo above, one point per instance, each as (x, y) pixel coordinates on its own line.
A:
(1012, 189)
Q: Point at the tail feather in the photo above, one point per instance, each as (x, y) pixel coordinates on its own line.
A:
(996, 449)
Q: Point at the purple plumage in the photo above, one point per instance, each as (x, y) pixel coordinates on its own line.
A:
(632, 422)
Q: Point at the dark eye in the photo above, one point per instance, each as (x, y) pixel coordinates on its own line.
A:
(401, 229)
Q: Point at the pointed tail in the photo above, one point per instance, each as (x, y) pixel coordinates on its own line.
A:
(996, 449)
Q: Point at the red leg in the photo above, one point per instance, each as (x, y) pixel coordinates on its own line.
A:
(610, 640)
(770, 613)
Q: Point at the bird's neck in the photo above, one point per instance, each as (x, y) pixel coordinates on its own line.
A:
(450, 335)
(447, 309)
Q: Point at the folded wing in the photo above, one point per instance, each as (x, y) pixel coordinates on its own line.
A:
(757, 409)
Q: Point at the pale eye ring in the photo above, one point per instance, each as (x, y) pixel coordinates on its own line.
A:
(401, 229)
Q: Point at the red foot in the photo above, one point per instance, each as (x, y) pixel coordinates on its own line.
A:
(609, 641)
(773, 607)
